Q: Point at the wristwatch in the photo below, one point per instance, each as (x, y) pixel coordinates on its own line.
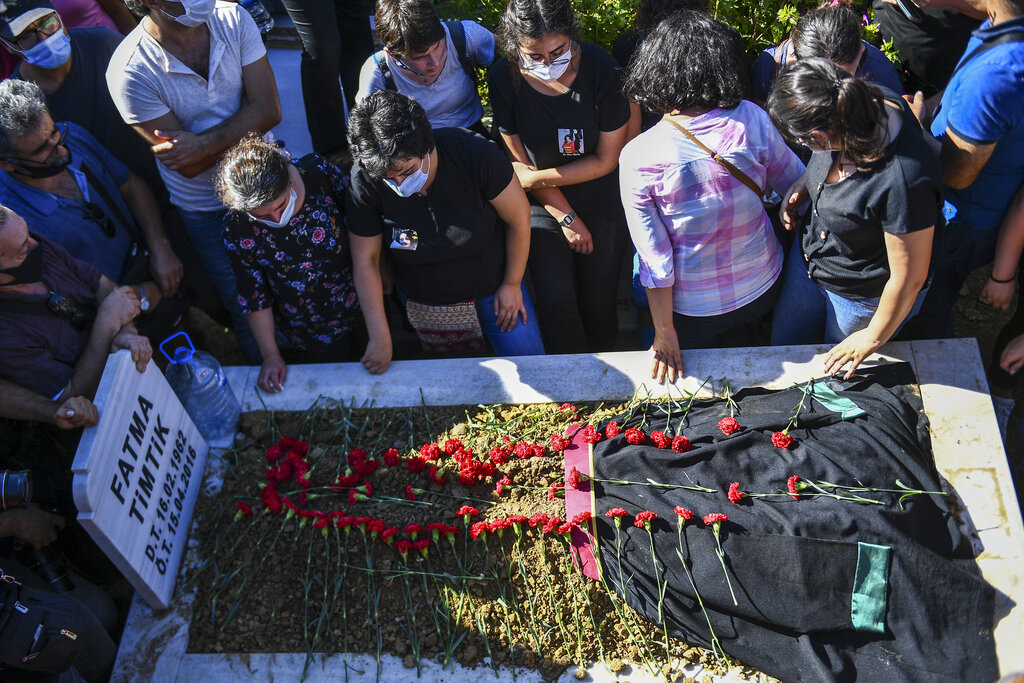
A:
(143, 299)
(568, 219)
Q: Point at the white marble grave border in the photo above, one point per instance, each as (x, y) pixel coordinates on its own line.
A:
(965, 440)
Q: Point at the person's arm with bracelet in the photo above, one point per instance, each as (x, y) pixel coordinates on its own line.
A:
(192, 153)
(164, 265)
(369, 288)
(909, 256)
(554, 202)
(514, 209)
(274, 371)
(1002, 283)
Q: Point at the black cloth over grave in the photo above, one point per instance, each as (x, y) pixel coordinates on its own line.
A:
(792, 563)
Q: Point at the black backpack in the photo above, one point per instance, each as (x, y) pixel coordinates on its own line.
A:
(458, 34)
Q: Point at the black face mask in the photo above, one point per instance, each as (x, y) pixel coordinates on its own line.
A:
(30, 270)
(46, 169)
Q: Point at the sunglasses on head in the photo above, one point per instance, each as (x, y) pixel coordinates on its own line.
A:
(65, 308)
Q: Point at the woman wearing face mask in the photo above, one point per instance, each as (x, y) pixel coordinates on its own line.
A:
(286, 241)
(857, 269)
(445, 208)
(551, 88)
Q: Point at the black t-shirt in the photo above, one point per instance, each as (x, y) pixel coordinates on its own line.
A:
(449, 245)
(559, 129)
(84, 99)
(844, 242)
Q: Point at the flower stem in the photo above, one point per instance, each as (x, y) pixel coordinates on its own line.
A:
(716, 647)
(721, 558)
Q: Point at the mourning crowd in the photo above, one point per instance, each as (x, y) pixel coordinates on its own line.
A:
(816, 195)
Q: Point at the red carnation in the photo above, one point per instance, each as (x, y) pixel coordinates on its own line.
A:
(611, 430)
(501, 484)
(791, 484)
(680, 444)
(559, 443)
(564, 528)
(499, 456)
(554, 491)
(735, 495)
(421, 544)
(479, 528)
(452, 446)
(683, 512)
(575, 479)
(402, 547)
(581, 519)
(728, 425)
(660, 440)
(643, 519)
(435, 476)
(366, 468)
(430, 451)
(522, 450)
(466, 511)
(538, 518)
(244, 508)
(391, 458)
(412, 529)
(591, 435)
(352, 497)
(616, 512)
(274, 453)
(321, 523)
(551, 525)
(782, 440)
(714, 518)
(536, 450)
(635, 436)
(387, 533)
(568, 406)
(410, 494)
(356, 456)
(416, 464)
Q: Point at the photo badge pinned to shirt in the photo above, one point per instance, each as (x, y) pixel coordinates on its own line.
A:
(404, 238)
(570, 141)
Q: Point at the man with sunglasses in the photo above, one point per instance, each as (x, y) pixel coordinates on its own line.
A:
(77, 194)
(59, 319)
(72, 76)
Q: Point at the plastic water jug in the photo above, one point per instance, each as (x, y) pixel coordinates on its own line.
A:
(258, 11)
(202, 387)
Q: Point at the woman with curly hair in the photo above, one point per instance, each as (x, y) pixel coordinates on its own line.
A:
(860, 263)
(552, 90)
(708, 255)
(287, 244)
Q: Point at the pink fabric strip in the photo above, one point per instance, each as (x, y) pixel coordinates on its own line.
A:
(580, 500)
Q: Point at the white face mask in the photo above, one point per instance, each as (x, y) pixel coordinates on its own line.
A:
(286, 215)
(197, 12)
(413, 182)
(552, 71)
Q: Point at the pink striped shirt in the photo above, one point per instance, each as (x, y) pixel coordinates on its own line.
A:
(696, 227)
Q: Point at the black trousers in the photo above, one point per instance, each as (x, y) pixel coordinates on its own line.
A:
(336, 40)
(575, 294)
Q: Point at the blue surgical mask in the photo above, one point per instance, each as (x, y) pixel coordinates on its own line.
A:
(413, 183)
(286, 215)
(51, 53)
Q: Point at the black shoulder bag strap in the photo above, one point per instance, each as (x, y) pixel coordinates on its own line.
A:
(458, 34)
(1016, 36)
(96, 185)
(382, 63)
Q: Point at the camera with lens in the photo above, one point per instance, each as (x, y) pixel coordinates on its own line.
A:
(16, 492)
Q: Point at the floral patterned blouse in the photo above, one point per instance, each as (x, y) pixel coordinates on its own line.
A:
(303, 270)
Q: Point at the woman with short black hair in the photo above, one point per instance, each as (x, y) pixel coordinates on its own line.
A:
(709, 257)
(859, 266)
(455, 223)
(287, 244)
(551, 85)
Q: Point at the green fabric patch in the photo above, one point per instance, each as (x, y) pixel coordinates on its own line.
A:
(870, 588)
(824, 395)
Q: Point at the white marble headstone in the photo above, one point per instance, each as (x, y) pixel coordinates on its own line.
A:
(137, 475)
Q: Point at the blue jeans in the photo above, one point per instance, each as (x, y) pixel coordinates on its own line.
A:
(807, 313)
(521, 340)
(206, 229)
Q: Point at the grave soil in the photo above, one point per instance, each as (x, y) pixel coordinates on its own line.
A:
(273, 583)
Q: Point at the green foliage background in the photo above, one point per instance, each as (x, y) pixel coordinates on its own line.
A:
(760, 22)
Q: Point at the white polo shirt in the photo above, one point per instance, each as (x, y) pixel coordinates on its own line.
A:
(146, 82)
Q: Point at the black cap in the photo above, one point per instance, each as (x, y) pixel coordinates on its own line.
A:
(17, 15)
